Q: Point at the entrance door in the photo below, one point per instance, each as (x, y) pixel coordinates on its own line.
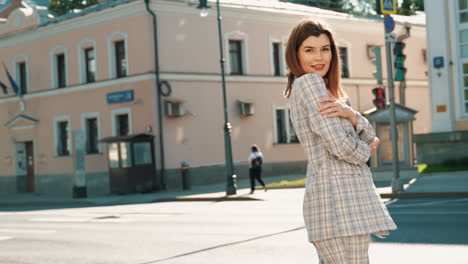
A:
(30, 166)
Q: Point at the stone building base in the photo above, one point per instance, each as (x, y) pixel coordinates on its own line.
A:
(434, 148)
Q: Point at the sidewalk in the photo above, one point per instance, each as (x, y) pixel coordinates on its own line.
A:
(435, 185)
(211, 192)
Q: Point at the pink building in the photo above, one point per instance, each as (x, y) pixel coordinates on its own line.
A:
(94, 71)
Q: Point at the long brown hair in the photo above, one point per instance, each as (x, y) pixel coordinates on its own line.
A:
(304, 29)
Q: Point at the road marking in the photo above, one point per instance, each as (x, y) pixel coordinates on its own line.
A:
(26, 231)
(5, 238)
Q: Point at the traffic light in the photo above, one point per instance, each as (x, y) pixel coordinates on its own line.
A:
(400, 70)
(379, 100)
(377, 61)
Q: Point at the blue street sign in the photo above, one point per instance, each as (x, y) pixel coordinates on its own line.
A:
(389, 23)
(438, 62)
(120, 97)
(388, 6)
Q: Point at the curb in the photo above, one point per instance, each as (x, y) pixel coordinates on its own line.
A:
(121, 202)
(207, 199)
(284, 187)
(46, 203)
(424, 195)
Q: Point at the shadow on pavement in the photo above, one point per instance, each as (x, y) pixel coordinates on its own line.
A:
(429, 221)
(213, 192)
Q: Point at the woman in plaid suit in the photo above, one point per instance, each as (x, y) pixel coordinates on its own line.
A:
(341, 205)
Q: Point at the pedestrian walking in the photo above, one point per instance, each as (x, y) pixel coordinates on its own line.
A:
(255, 168)
(341, 206)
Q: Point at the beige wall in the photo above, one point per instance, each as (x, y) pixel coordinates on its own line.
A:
(189, 57)
(91, 101)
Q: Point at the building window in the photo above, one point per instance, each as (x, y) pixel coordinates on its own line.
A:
(23, 83)
(121, 121)
(277, 59)
(465, 86)
(344, 62)
(63, 138)
(463, 8)
(90, 63)
(120, 61)
(122, 125)
(92, 136)
(284, 128)
(142, 151)
(235, 57)
(61, 70)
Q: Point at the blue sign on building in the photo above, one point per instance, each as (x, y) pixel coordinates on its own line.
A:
(438, 62)
(120, 97)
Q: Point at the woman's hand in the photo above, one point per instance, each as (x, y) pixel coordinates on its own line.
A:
(336, 108)
(374, 145)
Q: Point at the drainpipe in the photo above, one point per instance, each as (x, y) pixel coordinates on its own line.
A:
(159, 102)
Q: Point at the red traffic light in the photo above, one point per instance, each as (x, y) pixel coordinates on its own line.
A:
(379, 100)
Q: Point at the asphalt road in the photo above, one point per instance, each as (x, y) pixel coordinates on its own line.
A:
(269, 230)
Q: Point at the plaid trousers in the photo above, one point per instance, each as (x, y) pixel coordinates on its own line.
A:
(344, 250)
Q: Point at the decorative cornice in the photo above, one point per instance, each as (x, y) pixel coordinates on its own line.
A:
(21, 117)
(189, 77)
(74, 24)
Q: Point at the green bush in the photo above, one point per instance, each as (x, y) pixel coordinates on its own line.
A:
(446, 165)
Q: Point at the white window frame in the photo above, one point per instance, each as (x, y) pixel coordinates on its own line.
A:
(53, 65)
(16, 60)
(459, 86)
(81, 46)
(58, 119)
(287, 109)
(119, 111)
(244, 38)
(347, 45)
(283, 68)
(111, 39)
(84, 117)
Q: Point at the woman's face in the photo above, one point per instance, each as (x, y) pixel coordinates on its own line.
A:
(315, 55)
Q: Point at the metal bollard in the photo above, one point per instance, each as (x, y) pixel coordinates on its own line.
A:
(184, 169)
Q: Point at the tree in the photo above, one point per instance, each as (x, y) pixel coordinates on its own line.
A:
(358, 7)
(419, 5)
(409, 7)
(62, 7)
(335, 5)
(361, 7)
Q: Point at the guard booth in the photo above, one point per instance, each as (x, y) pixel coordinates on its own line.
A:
(381, 164)
(131, 163)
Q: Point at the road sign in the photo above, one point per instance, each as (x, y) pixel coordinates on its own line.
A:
(389, 23)
(388, 7)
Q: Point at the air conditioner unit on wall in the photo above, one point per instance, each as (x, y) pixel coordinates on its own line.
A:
(174, 109)
(246, 108)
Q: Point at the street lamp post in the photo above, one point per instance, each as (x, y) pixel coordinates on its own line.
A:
(231, 177)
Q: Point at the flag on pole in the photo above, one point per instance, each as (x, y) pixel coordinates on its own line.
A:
(13, 84)
(4, 88)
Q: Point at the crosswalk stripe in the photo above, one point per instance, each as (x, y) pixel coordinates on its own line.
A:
(5, 238)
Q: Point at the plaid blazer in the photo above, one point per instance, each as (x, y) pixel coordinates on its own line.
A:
(340, 197)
